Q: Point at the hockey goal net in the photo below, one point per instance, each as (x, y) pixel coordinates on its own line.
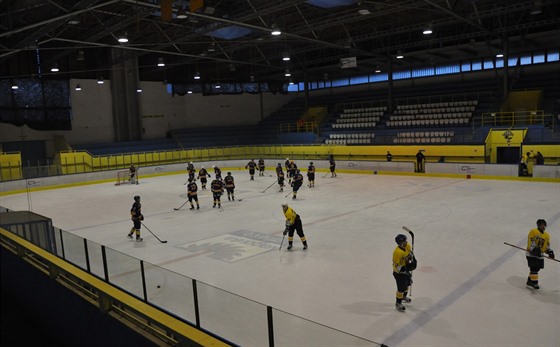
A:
(123, 177)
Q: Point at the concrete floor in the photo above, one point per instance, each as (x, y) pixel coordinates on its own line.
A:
(469, 288)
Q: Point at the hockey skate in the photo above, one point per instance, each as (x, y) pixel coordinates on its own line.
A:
(129, 236)
(289, 247)
(304, 247)
(532, 285)
(400, 307)
(139, 239)
(407, 300)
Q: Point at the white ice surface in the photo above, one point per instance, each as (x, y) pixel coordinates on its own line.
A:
(469, 288)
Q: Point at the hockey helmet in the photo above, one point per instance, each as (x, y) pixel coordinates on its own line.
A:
(202, 167)
(190, 180)
(279, 164)
(541, 221)
(229, 173)
(400, 239)
(287, 158)
(284, 205)
(213, 166)
(137, 198)
(310, 163)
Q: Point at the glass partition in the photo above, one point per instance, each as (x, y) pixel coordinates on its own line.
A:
(95, 258)
(232, 317)
(290, 330)
(170, 291)
(74, 249)
(125, 272)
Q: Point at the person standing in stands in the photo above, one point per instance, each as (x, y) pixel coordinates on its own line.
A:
(203, 175)
(311, 175)
(420, 158)
(332, 166)
(261, 167)
(280, 176)
(389, 156)
(137, 218)
(251, 165)
(230, 186)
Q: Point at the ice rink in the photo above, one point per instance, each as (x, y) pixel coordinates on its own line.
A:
(469, 288)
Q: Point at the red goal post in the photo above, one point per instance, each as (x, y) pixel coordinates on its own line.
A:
(123, 177)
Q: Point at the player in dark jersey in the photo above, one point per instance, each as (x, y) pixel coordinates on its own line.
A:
(190, 170)
(261, 167)
(311, 175)
(217, 187)
(230, 186)
(217, 172)
(136, 217)
(332, 166)
(192, 193)
(280, 175)
(296, 183)
(291, 171)
(203, 175)
(251, 166)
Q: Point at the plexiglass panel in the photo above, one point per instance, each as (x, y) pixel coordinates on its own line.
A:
(170, 291)
(290, 330)
(95, 258)
(74, 250)
(125, 272)
(237, 319)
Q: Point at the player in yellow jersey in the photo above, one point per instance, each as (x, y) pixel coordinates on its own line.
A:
(538, 242)
(403, 264)
(293, 223)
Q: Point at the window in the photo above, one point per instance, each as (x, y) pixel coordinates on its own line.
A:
(499, 63)
(488, 65)
(538, 58)
(340, 82)
(447, 69)
(513, 61)
(476, 65)
(358, 80)
(378, 77)
(423, 72)
(552, 56)
(466, 67)
(526, 60)
(293, 87)
(401, 75)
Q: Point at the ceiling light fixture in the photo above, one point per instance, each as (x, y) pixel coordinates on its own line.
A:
(536, 8)
(100, 80)
(287, 73)
(364, 11)
(499, 55)
(286, 56)
(212, 47)
(78, 88)
(160, 62)
(275, 31)
(54, 67)
(181, 14)
(139, 90)
(377, 69)
(122, 38)
(400, 55)
(427, 31)
(189, 92)
(14, 86)
(291, 82)
(218, 86)
(80, 56)
(197, 76)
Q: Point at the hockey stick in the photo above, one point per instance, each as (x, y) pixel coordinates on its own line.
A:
(273, 183)
(162, 241)
(412, 248)
(326, 174)
(178, 208)
(523, 249)
(283, 237)
(288, 194)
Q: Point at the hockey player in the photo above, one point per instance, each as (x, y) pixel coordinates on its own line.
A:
(403, 264)
(251, 165)
(132, 172)
(192, 193)
(291, 171)
(332, 166)
(217, 187)
(280, 175)
(230, 186)
(420, 158)
(311, 175)
(293, 223)
(190, 170)
(203, 174)
(538, 242)
(287, 164)
(217, 172)
(261, 167)
(297, 183)
(136, 217)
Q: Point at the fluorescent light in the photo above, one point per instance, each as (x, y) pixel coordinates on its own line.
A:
(14, 87)
(139, 90)
(286, 56)
(427, 31)
(287, 73)
(78, 88)
(189, 92)
(291, 82)
(275, 31)
(160, 62)
(181, 14)
(499, 55)
(399, 55)
(197, 76)
(122, 39)
(377, 70)
(54, 68)
(100, 80)
(217, 86)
